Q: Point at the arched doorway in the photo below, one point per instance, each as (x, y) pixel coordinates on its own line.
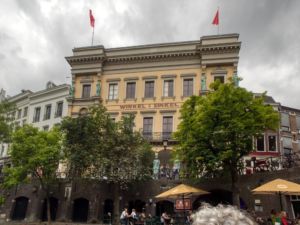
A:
(164, 206)
(108, 208)
(20, 208)
(138, 205)
(217, 196)
(53, 209)
(80, 210)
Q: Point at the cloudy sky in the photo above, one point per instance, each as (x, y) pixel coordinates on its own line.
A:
(36, 35)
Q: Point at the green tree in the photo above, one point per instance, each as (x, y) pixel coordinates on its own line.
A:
(35, 156)
(217, 131)
(5, 125)
(99, 148)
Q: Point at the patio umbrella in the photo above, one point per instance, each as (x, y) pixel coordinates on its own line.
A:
(182, 191)
(278, 186)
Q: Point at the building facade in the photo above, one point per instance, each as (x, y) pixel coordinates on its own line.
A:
(43, 109)
(150, 81)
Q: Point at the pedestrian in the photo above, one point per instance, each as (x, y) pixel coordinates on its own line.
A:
(124, 217)
(283, 217)
(273, 216)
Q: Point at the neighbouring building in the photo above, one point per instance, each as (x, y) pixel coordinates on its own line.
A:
(43, 109)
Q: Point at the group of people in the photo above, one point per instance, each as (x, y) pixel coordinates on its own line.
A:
(279, 218)
(166, 219)
(132, 218)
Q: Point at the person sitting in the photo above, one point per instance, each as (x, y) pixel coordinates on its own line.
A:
(124, 217)
(165, 218)
(133, 217)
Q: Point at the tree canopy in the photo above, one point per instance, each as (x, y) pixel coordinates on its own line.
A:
(5, 125)
(35, 155)
(99, 148)
(217, 130)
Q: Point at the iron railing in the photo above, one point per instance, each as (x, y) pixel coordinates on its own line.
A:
(158, 136)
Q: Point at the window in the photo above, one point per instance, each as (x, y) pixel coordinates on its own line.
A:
(147, 127)
(167, 127)
(188, 87)
(59, 109)
(272, 143)
(36, 116)
(220, 78)
(149, 89)
(260, 143)
(113, 91)
(47, 114)
(24, 122)
(298, 122)
(285, 122)
(130, 90)
(46, 128)
(2, 150)
(287, 145)
(19, 113)
(25, 111)
(13, 115)
(86, 91)
(168, 88)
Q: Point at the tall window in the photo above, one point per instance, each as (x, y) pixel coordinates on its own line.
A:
(47, 114)
(272, 143)
(260, 143)
(59, 109)
(287, 145)
(221, 78)
(188, 87)
(86, 91)
(298, 122)
(113, 91)
(25, 111)
(36, 115)
(167, 127)
(285, 121)
(149, 89)
(19, 113)
(130, 90)
(147, 127)
(168, 88)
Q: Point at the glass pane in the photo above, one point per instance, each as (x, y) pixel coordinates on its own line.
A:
(272, 143)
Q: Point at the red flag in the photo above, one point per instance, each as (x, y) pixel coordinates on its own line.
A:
(92, 19)
(216, 19)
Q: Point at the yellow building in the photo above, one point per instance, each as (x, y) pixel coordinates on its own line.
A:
(151, 81)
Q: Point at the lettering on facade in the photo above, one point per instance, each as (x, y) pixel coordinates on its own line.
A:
(150, 106)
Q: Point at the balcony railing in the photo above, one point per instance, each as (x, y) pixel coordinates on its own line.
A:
(158, 136)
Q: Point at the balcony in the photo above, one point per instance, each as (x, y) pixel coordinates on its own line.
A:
(158, 136)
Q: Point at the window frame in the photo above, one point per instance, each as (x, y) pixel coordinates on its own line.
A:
(114, 97)
(84, 93)
(35, 117)
(130, 91)
(276, 143)
(46, 112)
(163, 86)
(193, 86)
(148, 81)
(56, 109)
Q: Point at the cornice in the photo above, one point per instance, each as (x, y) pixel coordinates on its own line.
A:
(212, 49)
(84, 59)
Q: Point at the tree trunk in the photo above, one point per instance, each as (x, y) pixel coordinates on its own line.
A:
(116, 219)
(48, 209)
(235, 189)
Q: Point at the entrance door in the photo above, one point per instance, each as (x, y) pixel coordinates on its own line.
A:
(20, 208)
(80, 210)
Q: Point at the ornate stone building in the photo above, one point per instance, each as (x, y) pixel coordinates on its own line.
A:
(150, 81)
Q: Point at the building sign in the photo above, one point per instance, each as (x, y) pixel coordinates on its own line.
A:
(179, 204)
(150, 106)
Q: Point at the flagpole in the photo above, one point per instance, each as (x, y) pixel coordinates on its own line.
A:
(218, 21)
(93, 37)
